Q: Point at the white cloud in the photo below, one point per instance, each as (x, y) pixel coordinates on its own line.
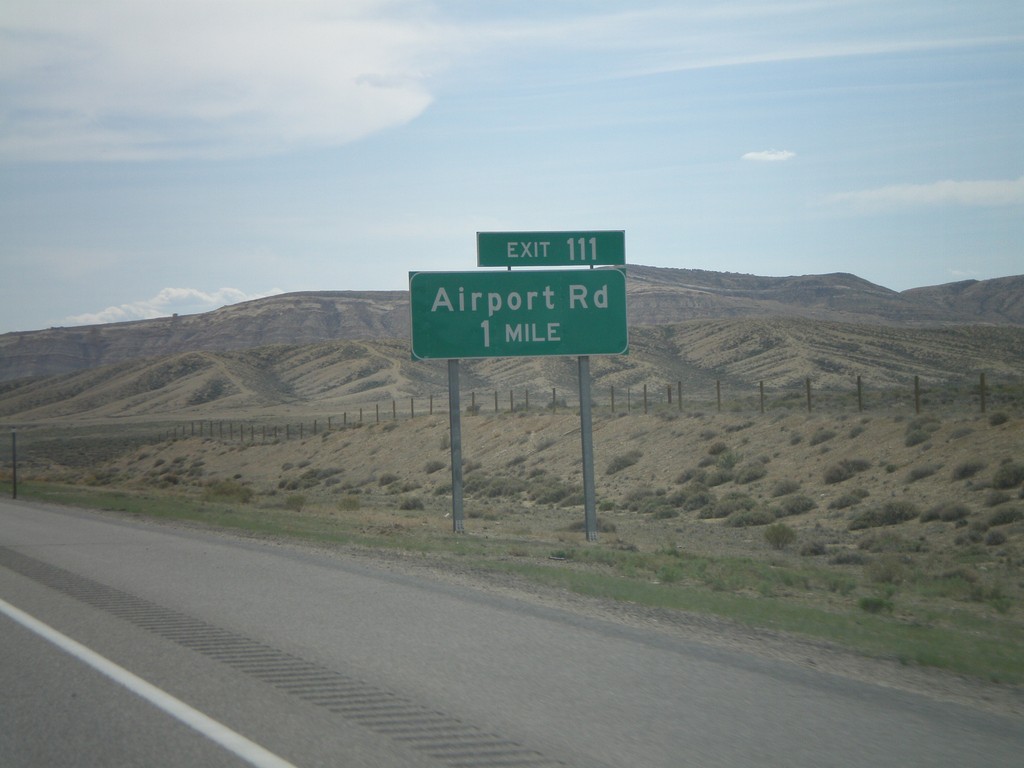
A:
(770, 155)
(168, 301)
(961, 193)
(129, 79)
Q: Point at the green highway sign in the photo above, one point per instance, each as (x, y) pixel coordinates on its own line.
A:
(550, 249)
(511, 314)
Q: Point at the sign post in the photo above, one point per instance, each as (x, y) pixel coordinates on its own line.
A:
(455, 427)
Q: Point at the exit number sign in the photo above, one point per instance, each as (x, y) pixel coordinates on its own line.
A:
(510, 314)
(550, 249)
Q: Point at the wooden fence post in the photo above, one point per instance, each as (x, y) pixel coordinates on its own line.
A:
(860, 396)
(645, 398)
(613, 398)
(981, 385)
(808, 381)
(917, 394)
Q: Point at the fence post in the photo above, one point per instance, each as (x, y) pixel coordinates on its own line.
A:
(917, 394)
(412, 409)
(860, 396)
(808, 382)
(981, 384)
(377, 409)
(645, 398)
(511, 401)
(495, 401)
(613, 398)
(394, 410)
(669, 388)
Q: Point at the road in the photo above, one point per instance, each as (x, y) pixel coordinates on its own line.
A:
(319, 659)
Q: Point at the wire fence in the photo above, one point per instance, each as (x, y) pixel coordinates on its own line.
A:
(978, 395)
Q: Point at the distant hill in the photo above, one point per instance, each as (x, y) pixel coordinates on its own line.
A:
(656, 296)
(338, 376)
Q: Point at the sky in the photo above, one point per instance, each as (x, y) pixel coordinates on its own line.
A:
(160, 158)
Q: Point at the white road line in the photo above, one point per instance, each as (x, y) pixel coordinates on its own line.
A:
(235, 743)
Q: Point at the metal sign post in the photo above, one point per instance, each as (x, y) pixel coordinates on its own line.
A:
(455, 426)
(587, 436)
(14, 463)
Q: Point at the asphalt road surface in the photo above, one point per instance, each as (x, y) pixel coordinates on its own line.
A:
(129, 644)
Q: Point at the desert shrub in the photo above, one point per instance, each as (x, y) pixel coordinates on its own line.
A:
(796, 438)
(844, 470)
(716, 448)
(727, 505)
(295, 502)
(885, 570)
(779, 535)
(890, 541)
(998, 418)
(849, 499)
(967, 469)
(750, 517)
(919, 473)
(550, 491)
(1009, 475)
(995, 498)
(875, 605)
(728, 460)
(848, 557)
(707, 461)
(665, 513)
(890, 513)
(230, 491)
(433, 466)
(1005, 516)
(411, 502)
(794, 505)
(349, 503)
(813, 549)
(995, 538)
(493, 487)
(947, 512)
(718, 476)
(622, 461)
(387, 479)
(915, 437)
(748, 473)
(784, 487)
(821, 436)
(856, 431)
